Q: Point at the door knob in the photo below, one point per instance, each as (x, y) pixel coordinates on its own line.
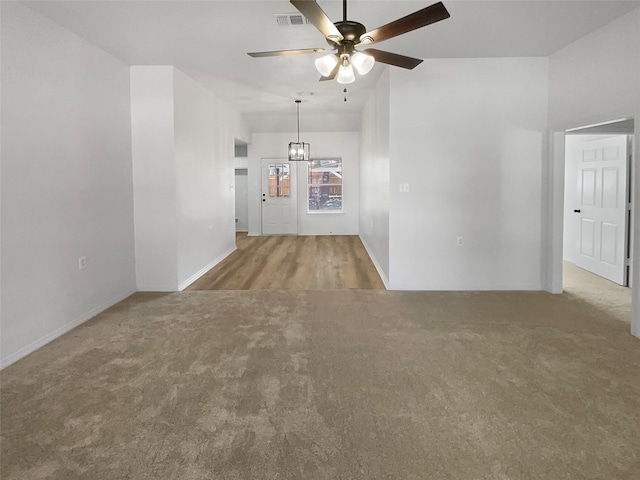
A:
(576, 211)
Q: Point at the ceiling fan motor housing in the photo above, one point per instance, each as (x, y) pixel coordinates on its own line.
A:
(351, 32)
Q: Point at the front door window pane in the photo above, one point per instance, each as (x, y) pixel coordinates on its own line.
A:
(279, 180)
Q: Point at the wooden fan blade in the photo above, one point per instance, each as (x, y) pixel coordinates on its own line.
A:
(394, 59)
(277, 53)
(332, 75)
(421, 18)
(312, 11)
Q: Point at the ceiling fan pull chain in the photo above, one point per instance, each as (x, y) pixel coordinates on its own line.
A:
(345, 94)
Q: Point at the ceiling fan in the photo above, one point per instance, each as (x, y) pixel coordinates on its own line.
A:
(346, 35)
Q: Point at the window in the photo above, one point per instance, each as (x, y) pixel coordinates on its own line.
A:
(279, 180)
(325, 185)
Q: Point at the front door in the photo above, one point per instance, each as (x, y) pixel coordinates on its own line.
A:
(279, 197)
(602, 193)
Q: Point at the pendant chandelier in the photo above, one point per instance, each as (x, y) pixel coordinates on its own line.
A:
(298, 151)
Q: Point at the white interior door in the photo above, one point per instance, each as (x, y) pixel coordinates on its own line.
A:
(602, 194)
(279, 197)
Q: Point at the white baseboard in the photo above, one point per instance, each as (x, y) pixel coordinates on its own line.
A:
(253, 234)
(326, 234)
(472, 287)
(156, 288)
(32, 347)
(373, 258)
(205, 269)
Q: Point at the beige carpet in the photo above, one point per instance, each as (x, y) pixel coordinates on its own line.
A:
(330, 385)
(581, 285)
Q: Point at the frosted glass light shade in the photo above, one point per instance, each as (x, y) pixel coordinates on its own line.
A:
(345, 74)
(326, 64)
(362, 62)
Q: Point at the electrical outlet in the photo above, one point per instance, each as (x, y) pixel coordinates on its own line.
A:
(82, 263)
(460, 241)
(404, 188)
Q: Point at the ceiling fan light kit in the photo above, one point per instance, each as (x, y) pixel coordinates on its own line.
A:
(326, 64)
(362, 62)
(345, 72)
(298, 151)
(346, 35)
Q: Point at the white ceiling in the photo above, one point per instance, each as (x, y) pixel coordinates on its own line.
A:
(209, 40)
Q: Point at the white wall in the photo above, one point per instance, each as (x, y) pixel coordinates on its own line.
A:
(375, 177)
(154, 178)
(323, 145)
(595, 79)
(340, 121)
(183, 146)
(66, 181)
(204, 141)
(468, 136)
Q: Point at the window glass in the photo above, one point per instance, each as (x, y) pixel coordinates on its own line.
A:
(325, 185)
(279, 180)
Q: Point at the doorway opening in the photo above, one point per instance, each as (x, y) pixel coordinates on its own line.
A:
(240, 163)
(597, 219)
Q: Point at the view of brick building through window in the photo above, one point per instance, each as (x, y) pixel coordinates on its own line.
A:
(325, 185)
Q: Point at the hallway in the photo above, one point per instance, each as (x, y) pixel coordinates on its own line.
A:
(310, 262)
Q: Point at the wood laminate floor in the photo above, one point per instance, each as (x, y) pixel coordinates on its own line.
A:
(293, 263)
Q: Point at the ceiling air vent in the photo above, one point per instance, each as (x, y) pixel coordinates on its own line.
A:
(288, 19)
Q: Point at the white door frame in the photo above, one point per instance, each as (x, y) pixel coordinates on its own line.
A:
(553, 211)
